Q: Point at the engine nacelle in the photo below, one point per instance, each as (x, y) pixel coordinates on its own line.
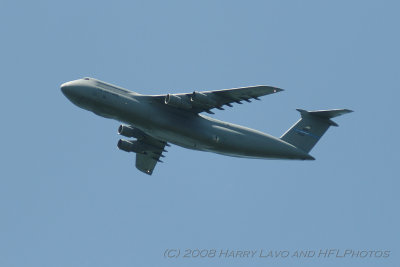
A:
(202, 99)
(178, 101)
(131, 146)
(129, 131)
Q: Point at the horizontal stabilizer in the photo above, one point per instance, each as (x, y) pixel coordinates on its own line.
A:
(306, 132)
(328, 114)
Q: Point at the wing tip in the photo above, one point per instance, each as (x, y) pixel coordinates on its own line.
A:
(145, 171)
(272, 88)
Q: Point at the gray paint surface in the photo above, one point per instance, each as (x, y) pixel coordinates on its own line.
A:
(176, 119)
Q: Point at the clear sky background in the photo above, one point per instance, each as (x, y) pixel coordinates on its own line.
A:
(69, 197)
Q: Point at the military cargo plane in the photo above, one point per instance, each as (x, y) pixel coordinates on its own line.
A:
(154, 121)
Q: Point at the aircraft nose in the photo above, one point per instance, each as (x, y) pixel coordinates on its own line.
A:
(64, 88)
(68, 88)
(75, 91)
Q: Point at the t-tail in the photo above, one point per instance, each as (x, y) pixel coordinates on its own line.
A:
(306, 132)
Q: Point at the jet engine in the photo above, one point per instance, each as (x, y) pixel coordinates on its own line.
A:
(202, 100)
(129, 131)
(131, 146)
(178, 101)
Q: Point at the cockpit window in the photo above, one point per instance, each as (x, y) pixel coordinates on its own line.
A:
(86, 78)
(111, 87)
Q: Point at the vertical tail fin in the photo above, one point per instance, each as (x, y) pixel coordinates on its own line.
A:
(306, 132)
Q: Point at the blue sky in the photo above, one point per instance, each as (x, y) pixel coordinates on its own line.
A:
(68, 197)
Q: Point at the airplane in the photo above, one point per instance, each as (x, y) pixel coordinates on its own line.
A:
(156, 121)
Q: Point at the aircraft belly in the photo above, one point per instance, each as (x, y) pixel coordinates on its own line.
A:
(238, 141)
(176, 139)
(253, 148)
(185, 131)
(180, 134)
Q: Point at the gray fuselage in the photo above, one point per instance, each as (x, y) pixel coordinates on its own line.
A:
(176, 126)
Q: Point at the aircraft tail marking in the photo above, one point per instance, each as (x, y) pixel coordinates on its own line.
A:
(307, 131)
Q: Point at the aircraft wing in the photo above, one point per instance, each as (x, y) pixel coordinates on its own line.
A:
(146, 161)
(148, 149)
(206, 100)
